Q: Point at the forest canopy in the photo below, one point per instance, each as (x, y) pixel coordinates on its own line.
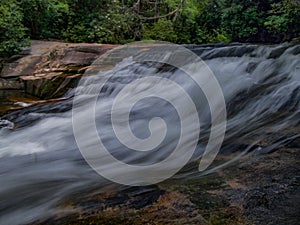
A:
(123, 21)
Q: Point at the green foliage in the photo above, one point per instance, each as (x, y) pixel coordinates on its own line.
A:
(162, 30)
(215, 36)
(12, 31)
(185, 25)
(45, 18)
(284, 18)
(122, 21)
(242, 20)
(209, 24)
(105, 23)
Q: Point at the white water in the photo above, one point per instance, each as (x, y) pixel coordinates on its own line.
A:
(40, 163)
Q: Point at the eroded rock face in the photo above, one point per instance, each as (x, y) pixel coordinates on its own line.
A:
(20, 67)
(11, 84)
(50, 69)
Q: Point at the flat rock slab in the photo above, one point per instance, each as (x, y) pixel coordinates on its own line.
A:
(78, 54)
(21, 67)
(50, 67)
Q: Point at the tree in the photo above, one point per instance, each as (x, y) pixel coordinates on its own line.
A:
(243, 20)
(161, 30)
(283, 20)
(209, 23)
(12, 31)
(122, 21)
(101, 21)
(45, 18)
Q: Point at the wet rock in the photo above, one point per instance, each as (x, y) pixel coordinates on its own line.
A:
(274, 204)
(8, 84)
(270, 187)
(51, 68)
(295, 50)
(6, 124)
(251, 67)
(277, 52)
(21, 67)
(82, 55)
(231, 51)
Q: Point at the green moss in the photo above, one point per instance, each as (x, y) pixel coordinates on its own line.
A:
(225, 218)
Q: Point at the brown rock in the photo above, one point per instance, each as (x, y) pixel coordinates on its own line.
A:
(51, 68)
(21, 67)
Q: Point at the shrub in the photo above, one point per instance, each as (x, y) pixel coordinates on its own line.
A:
(12, 31)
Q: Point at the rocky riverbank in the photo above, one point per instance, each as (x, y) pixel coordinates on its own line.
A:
(257, 189)
(48, 69)
(260, 187)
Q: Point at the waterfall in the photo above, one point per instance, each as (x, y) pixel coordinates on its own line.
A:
(40, 162)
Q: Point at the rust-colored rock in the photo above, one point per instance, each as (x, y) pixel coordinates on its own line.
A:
(51, 68)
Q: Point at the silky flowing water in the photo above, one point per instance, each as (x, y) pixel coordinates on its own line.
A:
(41, 164)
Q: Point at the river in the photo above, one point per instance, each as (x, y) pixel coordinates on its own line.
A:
(40, 163)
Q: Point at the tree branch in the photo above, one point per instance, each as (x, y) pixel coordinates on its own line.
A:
(176, 12)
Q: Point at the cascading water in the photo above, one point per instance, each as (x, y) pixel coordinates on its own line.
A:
(40, 162)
